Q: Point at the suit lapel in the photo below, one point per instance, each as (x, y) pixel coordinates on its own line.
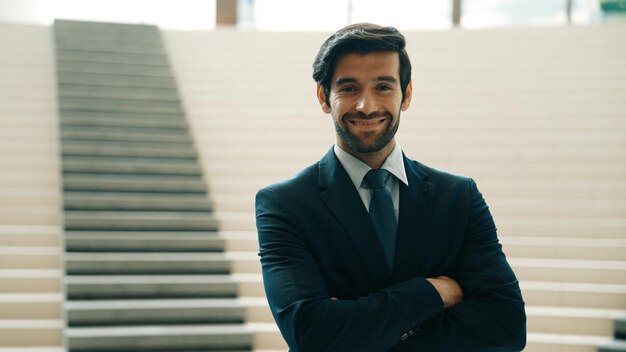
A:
(416, 206)
(343, 200)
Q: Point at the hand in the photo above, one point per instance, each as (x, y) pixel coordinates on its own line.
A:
(448, 289)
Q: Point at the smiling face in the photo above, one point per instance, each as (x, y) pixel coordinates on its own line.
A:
(365, 101)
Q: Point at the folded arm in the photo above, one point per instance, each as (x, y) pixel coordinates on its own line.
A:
(300, 302)
(487, 315)
(491, 316)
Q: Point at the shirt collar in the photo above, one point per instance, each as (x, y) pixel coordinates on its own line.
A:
(357, 169)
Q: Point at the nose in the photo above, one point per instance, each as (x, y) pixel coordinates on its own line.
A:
(367, 103)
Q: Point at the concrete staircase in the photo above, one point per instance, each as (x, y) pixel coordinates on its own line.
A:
(536, 116)
(145, 264)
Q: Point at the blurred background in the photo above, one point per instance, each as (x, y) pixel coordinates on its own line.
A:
(134, 135)
(322, 15)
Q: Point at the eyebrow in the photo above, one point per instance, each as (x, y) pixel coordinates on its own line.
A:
(341, 81)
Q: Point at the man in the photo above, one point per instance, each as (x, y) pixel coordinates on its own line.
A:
(410, 264)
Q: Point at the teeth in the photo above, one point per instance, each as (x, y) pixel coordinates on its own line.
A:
(366, 122)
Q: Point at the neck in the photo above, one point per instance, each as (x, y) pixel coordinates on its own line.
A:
(374, 159)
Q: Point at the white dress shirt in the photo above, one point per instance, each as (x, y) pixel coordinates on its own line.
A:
(357, 169)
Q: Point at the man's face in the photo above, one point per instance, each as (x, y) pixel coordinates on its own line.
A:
(365, 101)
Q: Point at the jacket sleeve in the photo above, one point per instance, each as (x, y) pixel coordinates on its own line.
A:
(491, 317)
(299, 300)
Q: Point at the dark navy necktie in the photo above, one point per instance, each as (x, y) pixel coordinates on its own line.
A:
(382, 212)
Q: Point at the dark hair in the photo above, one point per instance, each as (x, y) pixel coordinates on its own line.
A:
(360, 38)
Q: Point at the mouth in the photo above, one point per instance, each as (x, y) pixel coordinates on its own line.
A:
(367, 122)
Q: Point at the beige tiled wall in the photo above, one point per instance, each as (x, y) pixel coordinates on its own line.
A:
(30, 222)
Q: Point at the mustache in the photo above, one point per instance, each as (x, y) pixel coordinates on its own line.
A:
(363, 116)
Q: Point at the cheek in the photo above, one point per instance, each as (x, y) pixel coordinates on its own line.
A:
(337, 108)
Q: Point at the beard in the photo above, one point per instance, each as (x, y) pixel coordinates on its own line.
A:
(356, 144)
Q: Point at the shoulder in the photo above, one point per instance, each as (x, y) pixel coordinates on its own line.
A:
(291, 195)
(435, 175)
(446, 183)
(301, 181)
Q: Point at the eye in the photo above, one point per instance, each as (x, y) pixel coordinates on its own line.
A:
(347, 89)
(384, 87)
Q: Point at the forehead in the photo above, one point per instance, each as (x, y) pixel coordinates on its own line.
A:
(368, 66)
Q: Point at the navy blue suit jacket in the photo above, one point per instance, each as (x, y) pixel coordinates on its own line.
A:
(317, 241)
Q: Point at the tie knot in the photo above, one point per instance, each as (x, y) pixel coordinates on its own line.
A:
(377, 178)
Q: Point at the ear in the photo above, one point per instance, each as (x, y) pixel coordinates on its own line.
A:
(322, 99)
(407, 96)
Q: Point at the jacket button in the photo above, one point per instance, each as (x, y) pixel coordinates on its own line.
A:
(404, 336)
(411, 332)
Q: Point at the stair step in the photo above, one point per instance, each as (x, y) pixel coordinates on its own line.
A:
(125, 183)
(150, 286)
(95, 79)
(104, 149)
(112, 58)
(15, 257)
(116, 122)
(30, 230)
(127, 151)
(101, 115)
(119, 105)
(233, 202)
(128, 130)
(563, 226)
(107, 68)
(131, 166)
(570, 270)
(95, 45)
(137, 201)
(565, 248)
(26, 333)
(30, 281)
(240, 241)
(613, 346)
(146, 263)
(244, 262)
(86, 90)
(30, 306)
(140, 221)
(570, 320)
(38, 349)
(8, 239)
(590, 208)
(124, 136)
(267, 337)
(579, 295)
(88, 28)
(109, 35)
(143, 241)
(151, 338)
(541, 342)
(155, 311)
